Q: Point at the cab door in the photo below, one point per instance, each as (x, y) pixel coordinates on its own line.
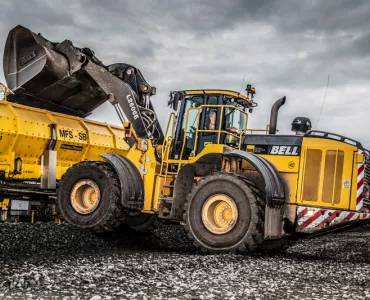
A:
(209, 122)
(326, 170)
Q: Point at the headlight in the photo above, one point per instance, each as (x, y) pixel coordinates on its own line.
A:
(310, 213)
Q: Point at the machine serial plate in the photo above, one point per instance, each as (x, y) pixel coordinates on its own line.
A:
(71, 147)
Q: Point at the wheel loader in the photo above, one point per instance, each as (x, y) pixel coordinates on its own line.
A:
(232, 187)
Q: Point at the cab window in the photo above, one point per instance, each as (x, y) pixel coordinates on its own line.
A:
(234, 119)
(211, 114)
(189, 129)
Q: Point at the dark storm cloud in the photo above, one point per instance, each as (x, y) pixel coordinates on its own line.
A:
(196, 16)
(284, 47)
(328, 17)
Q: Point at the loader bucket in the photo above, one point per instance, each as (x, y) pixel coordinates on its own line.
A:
(41, 77)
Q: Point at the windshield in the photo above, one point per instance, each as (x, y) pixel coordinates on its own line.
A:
(194, 102)
(235, 118)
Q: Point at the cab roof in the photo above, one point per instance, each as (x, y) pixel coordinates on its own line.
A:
(222, 92)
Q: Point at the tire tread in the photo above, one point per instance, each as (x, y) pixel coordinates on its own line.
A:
(112, 219)
(250, 242)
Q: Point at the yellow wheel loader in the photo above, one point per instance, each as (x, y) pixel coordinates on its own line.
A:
(234, 188)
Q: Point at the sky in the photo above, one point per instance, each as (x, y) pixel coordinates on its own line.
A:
(284, 48)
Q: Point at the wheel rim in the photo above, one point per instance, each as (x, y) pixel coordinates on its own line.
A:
(85, 196)
(219, 214)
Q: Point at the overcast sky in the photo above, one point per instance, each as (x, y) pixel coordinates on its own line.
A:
(282, 47)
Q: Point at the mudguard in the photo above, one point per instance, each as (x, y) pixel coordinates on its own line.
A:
(132, 186)
(274, 184)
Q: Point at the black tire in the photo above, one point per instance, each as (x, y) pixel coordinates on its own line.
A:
(141, 222)
(248, 231)
(107, 214)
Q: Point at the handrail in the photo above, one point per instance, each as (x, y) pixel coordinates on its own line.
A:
(167, 140)
(171, 118)
(6, 90)
(330, 135)
(219, 131)
(166, 147)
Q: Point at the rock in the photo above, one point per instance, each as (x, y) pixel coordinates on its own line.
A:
(165, 265)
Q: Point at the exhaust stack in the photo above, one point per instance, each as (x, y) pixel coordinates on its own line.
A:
(274, 114)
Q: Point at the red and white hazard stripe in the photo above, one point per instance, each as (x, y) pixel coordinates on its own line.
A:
(311, 219)
(360, 184)
(365, 216)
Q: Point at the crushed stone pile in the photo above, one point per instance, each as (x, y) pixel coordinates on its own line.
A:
(49, 261)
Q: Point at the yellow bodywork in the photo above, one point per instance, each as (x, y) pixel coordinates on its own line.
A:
(323, 175)
(25, 134)
(4, 203)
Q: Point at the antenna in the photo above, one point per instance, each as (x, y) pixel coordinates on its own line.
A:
(242, 85)
(323, 102)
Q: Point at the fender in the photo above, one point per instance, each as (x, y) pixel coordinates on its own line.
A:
(132, 186)
(274, 184)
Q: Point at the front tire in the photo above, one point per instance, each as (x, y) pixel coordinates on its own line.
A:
(223, 214)
(89, 196)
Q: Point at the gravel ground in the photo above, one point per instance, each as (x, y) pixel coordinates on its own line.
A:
(48, 261)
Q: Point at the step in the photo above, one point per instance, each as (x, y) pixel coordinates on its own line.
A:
(166, 203)
(166, 199)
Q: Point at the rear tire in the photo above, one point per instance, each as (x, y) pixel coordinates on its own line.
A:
(141, 223)
(246, 231)
(104, 216)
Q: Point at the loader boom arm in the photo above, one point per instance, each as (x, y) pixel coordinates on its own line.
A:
(63, 78)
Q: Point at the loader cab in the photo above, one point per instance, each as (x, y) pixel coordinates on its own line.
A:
(207, 117)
